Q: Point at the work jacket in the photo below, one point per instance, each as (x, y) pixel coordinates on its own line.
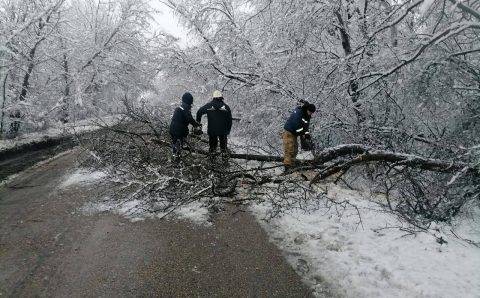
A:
(182, 117)
(219, 117)
(298, 123)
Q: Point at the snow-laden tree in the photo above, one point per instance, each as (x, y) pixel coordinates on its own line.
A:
(396, 84)
(26, 28)
(400, 76)
(63, 60)
(373, 66)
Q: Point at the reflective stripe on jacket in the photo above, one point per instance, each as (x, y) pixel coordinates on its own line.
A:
(219, 117)
(298, 123)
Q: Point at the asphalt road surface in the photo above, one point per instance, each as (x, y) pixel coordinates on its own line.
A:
(48, 248)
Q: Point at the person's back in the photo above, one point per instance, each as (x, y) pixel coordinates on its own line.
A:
(296, 121)
(219, 118)
(182, 117)
(180, 121)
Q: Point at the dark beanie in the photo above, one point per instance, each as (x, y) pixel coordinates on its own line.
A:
(310, 107)
(187, 98)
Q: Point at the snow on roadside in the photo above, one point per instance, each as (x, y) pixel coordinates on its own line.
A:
(135, 210)
(64, 130)
(328, 248)
(195, 212)
(82, 176)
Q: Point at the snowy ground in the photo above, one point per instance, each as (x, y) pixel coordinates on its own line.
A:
(246, 146)
(374, 258)
(375, 261)
(82, 177)
(63, 130)
(134, 210)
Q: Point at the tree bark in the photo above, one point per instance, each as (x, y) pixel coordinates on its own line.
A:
(4, 99)
(360, 154)
(16, 114)
(66, 78)
(393, 28)
(353, 85)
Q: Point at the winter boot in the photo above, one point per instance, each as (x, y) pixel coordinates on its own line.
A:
(176, 158)
(225, 158)
(288, 169)
(211, 158)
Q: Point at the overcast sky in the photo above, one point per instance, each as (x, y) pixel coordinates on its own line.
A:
(167, 21)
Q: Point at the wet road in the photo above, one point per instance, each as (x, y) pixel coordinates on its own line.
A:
(48, 248)
(22, 160)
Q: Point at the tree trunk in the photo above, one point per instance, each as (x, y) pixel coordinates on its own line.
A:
(4, 99)
(66, 91)
(393, 28)
(16, 115)
(353, 85)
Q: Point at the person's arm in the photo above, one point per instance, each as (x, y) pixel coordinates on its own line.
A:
(305, 124)
(201, 112)
(229, 119)
(306, 127)
(190, 120)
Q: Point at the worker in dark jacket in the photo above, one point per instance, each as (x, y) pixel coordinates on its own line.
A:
(182, 117)
(297, 125)
(219, 118)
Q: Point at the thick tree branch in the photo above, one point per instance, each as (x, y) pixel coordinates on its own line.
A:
(466, 9)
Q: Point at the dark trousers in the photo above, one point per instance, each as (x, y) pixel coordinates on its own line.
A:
(213, 143)
(177, 144)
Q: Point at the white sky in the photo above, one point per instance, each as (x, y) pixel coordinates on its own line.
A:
(170, 23)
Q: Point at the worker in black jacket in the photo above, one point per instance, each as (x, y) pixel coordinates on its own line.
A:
(182, 117)
(297, 125)
(219, 118)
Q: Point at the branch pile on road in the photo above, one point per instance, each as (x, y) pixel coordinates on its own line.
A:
(137, 154)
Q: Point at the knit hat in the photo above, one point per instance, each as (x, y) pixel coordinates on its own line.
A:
(310, 107)
(187, 98)
(217, 94)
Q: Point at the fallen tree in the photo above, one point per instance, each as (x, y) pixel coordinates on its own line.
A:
(353, 154)
(137, 153)
(360, 154)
